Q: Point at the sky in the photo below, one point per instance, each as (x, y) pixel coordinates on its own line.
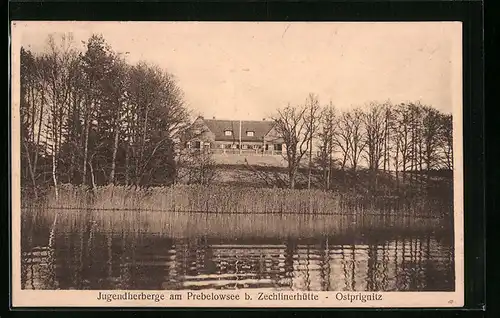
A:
(240, 70)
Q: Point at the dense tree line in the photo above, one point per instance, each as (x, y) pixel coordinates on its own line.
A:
(408, 140)
(90, 118)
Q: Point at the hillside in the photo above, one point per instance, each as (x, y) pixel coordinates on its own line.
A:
(271, 171)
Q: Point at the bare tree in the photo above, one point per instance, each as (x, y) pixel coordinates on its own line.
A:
(388, 130)
(342, 139)
(416, 149)
(374, 131)
(374, 137)
(312, 119)
(354, 124)
(431, 129)
(446, 141)
(327, 144)
(402, 140)
(291, 125)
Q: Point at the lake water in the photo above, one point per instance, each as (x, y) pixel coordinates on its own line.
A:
(81, 250)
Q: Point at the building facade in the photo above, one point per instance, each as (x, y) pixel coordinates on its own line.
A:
(235, 136)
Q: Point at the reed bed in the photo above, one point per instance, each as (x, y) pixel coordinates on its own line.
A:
(197, 199)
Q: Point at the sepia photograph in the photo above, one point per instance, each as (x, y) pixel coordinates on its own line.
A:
(237, 164)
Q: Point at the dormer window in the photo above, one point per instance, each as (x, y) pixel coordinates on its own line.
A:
(228, 133)
(250, 133)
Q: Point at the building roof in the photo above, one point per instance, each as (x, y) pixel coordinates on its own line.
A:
(218, 128)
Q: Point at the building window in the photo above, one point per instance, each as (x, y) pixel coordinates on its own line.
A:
(277, 147)
(228, 132)
(197, 145)
(244, 147)
(250, 133)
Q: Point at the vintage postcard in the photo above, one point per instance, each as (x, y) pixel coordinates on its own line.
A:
(231, 164)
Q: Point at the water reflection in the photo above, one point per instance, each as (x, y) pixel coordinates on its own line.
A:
(92, 258)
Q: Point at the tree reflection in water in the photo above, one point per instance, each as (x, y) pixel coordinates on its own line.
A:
(95, 258)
